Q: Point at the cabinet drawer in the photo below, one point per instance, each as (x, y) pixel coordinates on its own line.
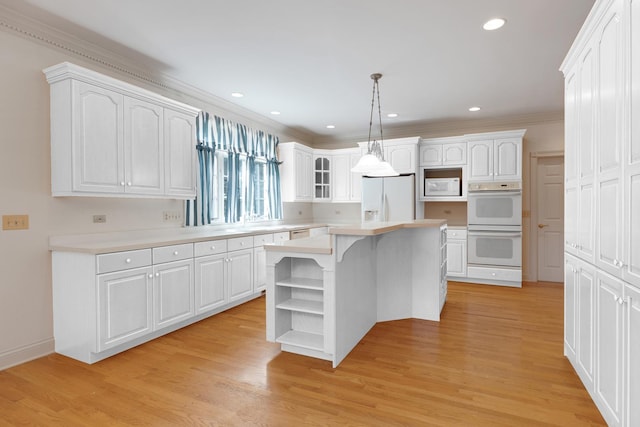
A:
(238, 243)
(211, 247)
(281, 237)
(512, 275)
(117, 261)
(172, 253)
(262, 239)
(456, 234)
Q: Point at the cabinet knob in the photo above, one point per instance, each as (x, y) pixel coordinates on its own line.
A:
(620, 301)
(493, 274)
(213, 248)
(157, 274)
(175, 252)
(122, 183)
(150, 276)
(129, 183)
(128, 260)
(241, 243)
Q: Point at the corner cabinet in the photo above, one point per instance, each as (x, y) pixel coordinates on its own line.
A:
(110, 138)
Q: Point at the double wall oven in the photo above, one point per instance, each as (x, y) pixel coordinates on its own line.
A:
(494, 216)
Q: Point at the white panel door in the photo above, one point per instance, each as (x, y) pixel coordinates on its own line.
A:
(550, 213)
(98, 153)
(210, 282)
(431, 155)
(356, 179)
(454, 154)
(585, 322)
(480, 160)
(571, 219)
(124, 306)
(507, 165)
(240, 278)
(456, 258)
(609, 158)
(143, 147)
(632, 365)
(260, 269)
(179, 152)
(609, 354)
(173, 292)
(341, 175)
(402, 157)
(570, 293)
(631, 251)
(571, 127)
(588, 85)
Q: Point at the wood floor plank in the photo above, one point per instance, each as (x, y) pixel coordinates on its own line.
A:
(495, 359)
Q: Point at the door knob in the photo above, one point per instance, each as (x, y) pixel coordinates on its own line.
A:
(542, 225)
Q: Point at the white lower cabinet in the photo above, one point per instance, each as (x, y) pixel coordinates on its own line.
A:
(210, 286)
(124, 306)
(632, 362)
(609, 357)
(260, 261)
(173, 293)
(240, 267)
(456, 253)
(580, 317)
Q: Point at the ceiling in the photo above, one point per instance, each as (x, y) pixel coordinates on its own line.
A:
(311, 61)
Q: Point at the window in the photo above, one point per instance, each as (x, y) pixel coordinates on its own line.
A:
(239, 178)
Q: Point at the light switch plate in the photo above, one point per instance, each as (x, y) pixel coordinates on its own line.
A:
(15, 222)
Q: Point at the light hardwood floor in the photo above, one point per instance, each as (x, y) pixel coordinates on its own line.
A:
(495, 359)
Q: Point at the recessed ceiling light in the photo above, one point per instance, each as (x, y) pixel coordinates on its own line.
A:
(237, 94)
(392, 115)
(494, 24)
(275, 113)
(474, 109)
(331, 126)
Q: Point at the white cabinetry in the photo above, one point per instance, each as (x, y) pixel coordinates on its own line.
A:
(499, 158)
(579, 306)
(602, 201)
(296, 172)
(210, 271)
(322, 182)
(112, 138)
(173, 285)
(124, 306)
(456, 252)
(260, 261)
(240, 267)
(443, 152)
(346, 184)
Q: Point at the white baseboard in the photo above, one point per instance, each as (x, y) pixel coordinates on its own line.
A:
(26, 353)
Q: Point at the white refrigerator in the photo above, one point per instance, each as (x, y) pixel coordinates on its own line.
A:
(389, 198)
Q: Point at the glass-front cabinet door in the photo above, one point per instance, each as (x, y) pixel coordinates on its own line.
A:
(322, 178)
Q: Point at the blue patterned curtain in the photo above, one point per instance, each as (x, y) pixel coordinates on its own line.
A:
(242, 191)
(198, 211)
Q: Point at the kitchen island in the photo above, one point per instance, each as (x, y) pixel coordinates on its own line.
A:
(325, 293)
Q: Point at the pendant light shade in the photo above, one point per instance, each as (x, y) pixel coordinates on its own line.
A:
(373, 163)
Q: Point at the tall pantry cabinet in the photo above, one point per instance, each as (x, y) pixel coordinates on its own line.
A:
(602, 208)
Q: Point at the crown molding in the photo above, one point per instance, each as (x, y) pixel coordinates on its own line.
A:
(141, 70)
(450, 127)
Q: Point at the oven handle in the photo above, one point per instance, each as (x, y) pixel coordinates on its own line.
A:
(494, 233)
(495, 193)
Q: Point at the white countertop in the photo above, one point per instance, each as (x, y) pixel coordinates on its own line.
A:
(322, 244)
(99, 243)
(375, 228)
(309, 245)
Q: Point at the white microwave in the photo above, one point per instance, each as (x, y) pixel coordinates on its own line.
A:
(441, 187)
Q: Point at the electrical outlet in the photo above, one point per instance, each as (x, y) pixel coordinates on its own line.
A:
(15, 222)
(171, 216)
(99, 219)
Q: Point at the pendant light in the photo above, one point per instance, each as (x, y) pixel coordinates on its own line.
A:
(373, 163)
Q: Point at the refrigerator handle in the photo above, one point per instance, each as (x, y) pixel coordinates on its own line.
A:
(386, 208)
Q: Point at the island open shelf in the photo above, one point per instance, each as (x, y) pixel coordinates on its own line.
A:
(324, 293)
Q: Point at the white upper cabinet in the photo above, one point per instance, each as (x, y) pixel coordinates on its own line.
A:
(495, 157)
(400, 153)
(143, 147)
(296, 172)
(443, 152)
(322, 182)
(112, 138)
(180, 163)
